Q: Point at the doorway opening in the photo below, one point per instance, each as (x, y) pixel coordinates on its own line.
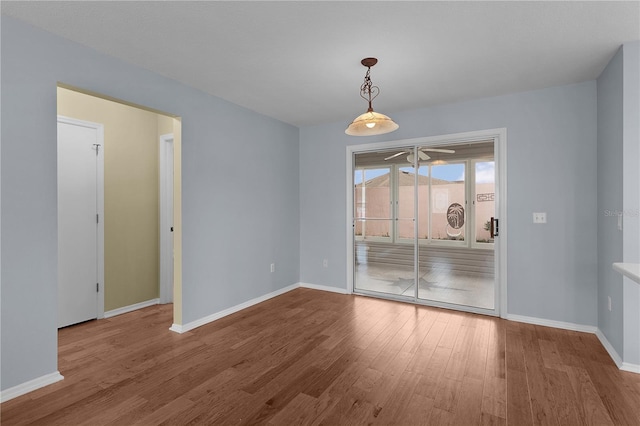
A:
(426, 219)
(140, 259)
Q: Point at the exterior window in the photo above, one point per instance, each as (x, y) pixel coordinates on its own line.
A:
(455, 202)
(373, 203)
(483, 197)
(448, 214)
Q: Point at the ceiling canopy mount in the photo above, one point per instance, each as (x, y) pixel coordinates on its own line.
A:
(369, 62)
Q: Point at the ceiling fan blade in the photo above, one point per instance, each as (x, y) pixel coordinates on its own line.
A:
(395, 155)
(446, 151)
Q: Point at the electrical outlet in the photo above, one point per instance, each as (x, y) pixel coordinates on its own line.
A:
(609, 302)
(540, 217)
(273, 267)
(325, 263)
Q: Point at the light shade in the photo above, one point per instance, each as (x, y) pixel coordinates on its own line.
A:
(371, 123)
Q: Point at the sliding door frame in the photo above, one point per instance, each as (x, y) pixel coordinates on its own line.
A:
(499, 137)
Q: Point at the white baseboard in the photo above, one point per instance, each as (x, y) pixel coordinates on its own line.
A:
(323, 288)
(209, 318)
(617, 359)
(609, 347)
(30, 386)
(551, 323)
(177, 328)
(632, 368)
(131, 308)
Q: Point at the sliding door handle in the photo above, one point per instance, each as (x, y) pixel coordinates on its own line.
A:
(495, 231)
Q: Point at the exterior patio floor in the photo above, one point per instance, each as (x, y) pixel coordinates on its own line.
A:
(441, 285)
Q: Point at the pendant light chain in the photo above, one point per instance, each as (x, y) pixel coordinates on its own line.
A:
(368, 91)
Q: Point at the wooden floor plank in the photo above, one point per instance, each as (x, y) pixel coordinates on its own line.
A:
(539, 379)
(494, 397)
(391, 410)
(302, 409)
(312, 357)
(468, 409)
(518, 397)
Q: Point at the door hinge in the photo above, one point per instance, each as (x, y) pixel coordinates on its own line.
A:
(97, 287)
(97, 218)
(97, 145)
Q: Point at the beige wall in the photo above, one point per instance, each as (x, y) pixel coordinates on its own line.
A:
(165, 124)
(131, 179)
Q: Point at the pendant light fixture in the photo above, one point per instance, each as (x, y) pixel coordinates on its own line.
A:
(371, 122)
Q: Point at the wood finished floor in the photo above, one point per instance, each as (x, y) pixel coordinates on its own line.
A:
(311, 357)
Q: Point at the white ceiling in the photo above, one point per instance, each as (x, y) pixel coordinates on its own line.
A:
(299, 62)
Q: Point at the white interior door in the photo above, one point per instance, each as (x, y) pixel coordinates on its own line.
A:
(166, 218)
(79, 149)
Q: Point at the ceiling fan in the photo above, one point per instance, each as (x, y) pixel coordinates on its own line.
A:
(421, 154)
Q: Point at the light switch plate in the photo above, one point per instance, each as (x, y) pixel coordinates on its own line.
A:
(540, 217)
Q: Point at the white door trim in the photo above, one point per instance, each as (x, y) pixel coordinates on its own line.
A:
(500, 150)
(99, 203)
(166, 208)
(500, 243)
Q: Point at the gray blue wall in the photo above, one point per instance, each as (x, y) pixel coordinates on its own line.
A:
(551, 156)
(619, 193)
(609, 167)
(631, 198)
(239, 194)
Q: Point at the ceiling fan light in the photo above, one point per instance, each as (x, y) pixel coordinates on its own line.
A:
(371, 123)
(421, 157)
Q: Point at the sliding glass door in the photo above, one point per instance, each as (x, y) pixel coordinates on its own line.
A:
(422, 218)
(381, 266)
